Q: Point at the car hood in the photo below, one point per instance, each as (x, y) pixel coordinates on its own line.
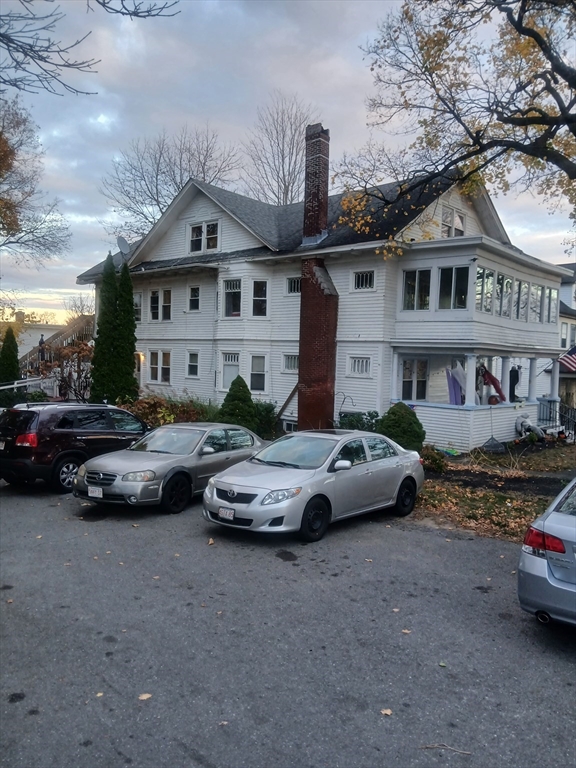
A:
(121, 462)
(254, 475)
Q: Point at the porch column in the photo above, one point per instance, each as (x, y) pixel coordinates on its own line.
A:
(505, 383)
(555, 380)
(470, 380)
(532, 381)
(394, 381)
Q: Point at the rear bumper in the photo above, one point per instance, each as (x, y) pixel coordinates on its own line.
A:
(23, 469)
(538, 590)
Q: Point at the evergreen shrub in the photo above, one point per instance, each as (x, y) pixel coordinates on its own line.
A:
(401, 424)
(238, 406)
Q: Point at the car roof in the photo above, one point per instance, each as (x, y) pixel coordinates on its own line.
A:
(334, 432)
(204, 425)
(62, 406)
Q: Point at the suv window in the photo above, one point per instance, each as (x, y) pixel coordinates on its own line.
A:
(66, 422)
(125, 422)
(379, 448)
(91, 420)
(18, 421)
(239, 439)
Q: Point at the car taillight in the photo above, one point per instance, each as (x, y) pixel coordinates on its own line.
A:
(539, 540)
(30, 439)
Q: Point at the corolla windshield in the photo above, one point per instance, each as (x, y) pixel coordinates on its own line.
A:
(299, 451)
(176, 441)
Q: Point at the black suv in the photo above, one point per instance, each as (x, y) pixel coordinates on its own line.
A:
(51, 440)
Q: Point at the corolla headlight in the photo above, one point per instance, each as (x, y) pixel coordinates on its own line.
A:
(209, 488)
(140, 477)
(275, 497)
(81, 470)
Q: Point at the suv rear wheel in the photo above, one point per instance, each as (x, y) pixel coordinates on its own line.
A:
(64, 473)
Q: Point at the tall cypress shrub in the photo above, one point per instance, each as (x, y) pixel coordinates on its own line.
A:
(9, 367)
(125, 348)
(238, 406)
(103, 361)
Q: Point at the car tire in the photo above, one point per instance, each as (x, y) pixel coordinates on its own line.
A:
(64, 473)
(176, 495)
(315, 520)
(405, 499)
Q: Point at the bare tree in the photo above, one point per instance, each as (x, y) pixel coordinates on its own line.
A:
(78, 305)
(275, 150)
(149, 174)
(34, 60)
(32, 231)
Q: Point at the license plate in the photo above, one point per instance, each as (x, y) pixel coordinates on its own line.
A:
(2, 445)
(226, 513)
(95, 493)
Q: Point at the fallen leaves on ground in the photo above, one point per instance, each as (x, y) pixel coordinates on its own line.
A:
(145, 696)
(386, 712)
(210, 541)
(395, 610)
(99, 694)
(406, 631)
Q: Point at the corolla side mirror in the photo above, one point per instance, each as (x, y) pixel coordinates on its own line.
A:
(207, 450)
(342, 464)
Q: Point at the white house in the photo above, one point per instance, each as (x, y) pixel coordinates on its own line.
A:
(316, 320)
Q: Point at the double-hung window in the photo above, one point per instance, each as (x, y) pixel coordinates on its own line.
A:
(138, 306)
(192, 369)
(453, 292)
(232, 298)
(159, 368)
(453, 222)
(161, 304)
(484, 290)
(193, 298)
(259, 298)
(258, 373)
(230, 368)
(204, 237)
(416, 289)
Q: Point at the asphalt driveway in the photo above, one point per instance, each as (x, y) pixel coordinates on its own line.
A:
(129, 639)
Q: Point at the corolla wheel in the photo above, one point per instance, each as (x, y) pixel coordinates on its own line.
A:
(176, 495)
(406, 498)
(315, 520)
(64, 473)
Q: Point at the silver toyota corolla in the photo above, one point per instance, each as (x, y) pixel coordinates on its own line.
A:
(304, 481)
(165, 466)
(547, 568)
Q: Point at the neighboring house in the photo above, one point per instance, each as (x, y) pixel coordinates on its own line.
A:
(316, 320)
(567, 389)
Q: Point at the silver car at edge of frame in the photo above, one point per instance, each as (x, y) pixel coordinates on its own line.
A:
(306, 480)
(547, 568)
(166, 466)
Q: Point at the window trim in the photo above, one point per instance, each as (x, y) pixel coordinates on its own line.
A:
(356, 272)
(266, 298)
(453, 211)
(414, 379)
(416, 308)
(236, 316)
(158, 381)
(190, 286)
(161, 305)
(189, 375)
(452, 308)
(264, 373)
(204, 224)
(349, 366)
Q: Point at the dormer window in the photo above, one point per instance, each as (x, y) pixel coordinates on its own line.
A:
(204, 237)
(453, 222)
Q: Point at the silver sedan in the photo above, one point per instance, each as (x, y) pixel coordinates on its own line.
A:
(305, 481)
(165, 466)
(547, 568)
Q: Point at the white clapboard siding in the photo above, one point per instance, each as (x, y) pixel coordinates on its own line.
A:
(427, 226)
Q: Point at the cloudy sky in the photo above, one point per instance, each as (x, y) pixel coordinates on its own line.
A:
(216, 61)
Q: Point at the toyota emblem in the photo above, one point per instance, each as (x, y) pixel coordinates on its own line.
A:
(231, 493)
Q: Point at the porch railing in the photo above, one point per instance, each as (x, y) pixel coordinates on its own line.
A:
(553, 413)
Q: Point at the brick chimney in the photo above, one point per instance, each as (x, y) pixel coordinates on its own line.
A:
(316, 184)
(319, 297)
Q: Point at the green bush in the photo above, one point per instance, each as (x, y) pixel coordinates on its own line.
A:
(401, 424)
(38, 396)
(366, 421)
(434, 460)
(266, 420)
(238, 406)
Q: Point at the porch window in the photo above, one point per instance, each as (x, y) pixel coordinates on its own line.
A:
(259, 298)
(230, 368)
(232, 298)
(520, 307)
(550, 311)
(452, 222)
(572, 335)
(564, 335)
(536, 292)
(484, 290)
(453, 288)
(503, 298)
(138, 307)
(293, 285)
(414, 379)
(258, 373)
(416, 289)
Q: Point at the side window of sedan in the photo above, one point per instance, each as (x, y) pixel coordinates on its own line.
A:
(125, 422)
(217, 440)
(92, 420)
(379, 448)
(240, 439)
(352, 451)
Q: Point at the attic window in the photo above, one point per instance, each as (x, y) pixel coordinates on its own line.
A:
(204, 237)
(453, 222)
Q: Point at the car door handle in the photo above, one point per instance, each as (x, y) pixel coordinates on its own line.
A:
(368, 472)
